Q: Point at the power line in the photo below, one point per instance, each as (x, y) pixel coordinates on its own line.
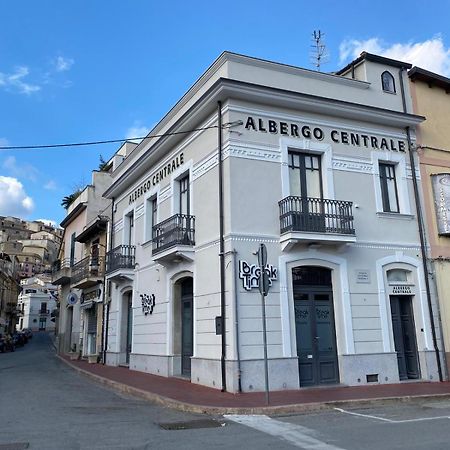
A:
(110, 141)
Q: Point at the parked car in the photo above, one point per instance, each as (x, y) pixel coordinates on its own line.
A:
(28, 333)
(19, 339)
(7, 343)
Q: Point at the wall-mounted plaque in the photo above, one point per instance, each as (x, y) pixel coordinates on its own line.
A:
(362, 276)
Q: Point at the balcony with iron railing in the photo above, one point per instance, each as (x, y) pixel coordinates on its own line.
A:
(88, 272)
(61, 271)
(316, 220)
(120, 262)
(174, 238)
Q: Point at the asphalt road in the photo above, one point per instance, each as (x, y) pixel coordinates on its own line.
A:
(44, 404)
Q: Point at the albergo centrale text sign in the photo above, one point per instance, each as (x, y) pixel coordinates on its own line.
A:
(338, 136)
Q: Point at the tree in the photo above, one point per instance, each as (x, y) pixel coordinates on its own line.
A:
(69, 199)
(103, 165)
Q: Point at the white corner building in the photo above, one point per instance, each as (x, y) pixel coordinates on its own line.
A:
(317, 168)
(36, 303)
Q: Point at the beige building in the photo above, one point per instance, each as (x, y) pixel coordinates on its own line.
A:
(79, 271)
(430, 99)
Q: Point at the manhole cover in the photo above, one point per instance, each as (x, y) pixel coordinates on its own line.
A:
(15, 446)
(191, 425)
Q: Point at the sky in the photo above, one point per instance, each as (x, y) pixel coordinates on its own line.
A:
(88, 70)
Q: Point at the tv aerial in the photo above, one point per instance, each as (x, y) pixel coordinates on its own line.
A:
(319, 52)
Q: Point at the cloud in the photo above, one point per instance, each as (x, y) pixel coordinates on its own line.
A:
(21, 170)
(431, 54)
(13, 199)
(63, 64)
(16, 81)
(49, 222)
(50, 185)
(4, 142)
(137, 130)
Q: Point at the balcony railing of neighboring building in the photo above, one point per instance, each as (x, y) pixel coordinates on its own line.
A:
(316, 215)
(61, 271)
(89, 267)
(176, 230)
(121, 257)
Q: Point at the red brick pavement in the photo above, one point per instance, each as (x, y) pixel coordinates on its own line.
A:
(188, 393)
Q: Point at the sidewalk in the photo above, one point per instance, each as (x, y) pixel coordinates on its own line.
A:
(183, 395)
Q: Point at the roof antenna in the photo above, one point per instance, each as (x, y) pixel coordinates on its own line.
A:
(319, 53)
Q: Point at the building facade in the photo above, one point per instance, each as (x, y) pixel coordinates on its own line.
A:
(79, 271)
(430, 97)
(37, 304)
(9, 290)
(316, 167)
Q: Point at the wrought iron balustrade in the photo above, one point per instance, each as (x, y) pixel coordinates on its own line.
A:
(317, 215)
(176, 230)
(89, 267)
(121, 257)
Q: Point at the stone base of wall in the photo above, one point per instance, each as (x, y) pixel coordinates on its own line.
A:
(428, 366)
(446, 365)
(354, 369)
(283, 374)
(154, 364)
(112, 359)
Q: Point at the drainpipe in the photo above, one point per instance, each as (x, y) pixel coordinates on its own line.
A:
(108, 286)
(236, 319)
(222, 249)
(423, 249)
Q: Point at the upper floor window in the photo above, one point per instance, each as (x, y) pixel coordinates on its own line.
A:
(387, 82)
(388, 185)
(129, 229)
(151, 215)
(305, 179)
(184, 200)
(72, 249)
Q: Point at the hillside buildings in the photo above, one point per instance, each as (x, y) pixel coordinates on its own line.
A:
(34, 243)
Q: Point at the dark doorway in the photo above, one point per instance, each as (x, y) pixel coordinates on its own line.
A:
(404, 337)
(187, 325)
(129, 336)
(314, 324)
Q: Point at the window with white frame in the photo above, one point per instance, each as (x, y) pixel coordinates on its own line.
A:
(129, 229)
(388, 82)
(151, 215)
(184, 198)
(388, 185)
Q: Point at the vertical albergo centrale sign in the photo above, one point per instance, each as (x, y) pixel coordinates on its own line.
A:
(441, 191)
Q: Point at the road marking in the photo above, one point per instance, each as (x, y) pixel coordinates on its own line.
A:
(383, 419)
(294, 434)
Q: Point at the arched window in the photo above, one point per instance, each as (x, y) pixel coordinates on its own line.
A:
(387, 81)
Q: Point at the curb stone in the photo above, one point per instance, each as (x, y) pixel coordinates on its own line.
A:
(266, 410)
